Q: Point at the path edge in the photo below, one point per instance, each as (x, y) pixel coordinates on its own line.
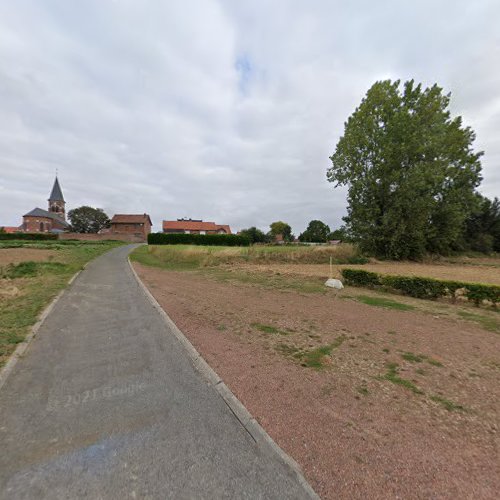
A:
(6, 370)
(235, 405)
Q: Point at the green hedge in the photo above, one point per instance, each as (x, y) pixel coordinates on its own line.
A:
(423, 288)
(230, 240)
(28, 236)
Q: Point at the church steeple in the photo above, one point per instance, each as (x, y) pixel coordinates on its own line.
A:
(57, 205)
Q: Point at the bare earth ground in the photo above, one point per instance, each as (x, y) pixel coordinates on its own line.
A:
(16, 255)
(480, 273)
(355, 433)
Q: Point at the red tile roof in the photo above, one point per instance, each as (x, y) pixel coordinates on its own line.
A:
(193, 225)
(11, 229)
(130, 218)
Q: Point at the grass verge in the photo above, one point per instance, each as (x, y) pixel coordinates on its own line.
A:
(28, 287)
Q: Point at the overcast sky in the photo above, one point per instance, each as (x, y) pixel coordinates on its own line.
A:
(220, 109)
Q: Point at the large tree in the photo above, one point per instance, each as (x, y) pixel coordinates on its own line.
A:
(483, 226)
(316, 232)
(281, 228)
(87, 219)
(410, 169)
(254, 235)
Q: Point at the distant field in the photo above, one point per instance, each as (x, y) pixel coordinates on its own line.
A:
(31, 275)
(313, 262)
(202, 256)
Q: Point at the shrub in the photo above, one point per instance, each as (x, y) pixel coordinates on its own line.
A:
(359, 277)
(28, 236)
(230, 240)
(423, 288)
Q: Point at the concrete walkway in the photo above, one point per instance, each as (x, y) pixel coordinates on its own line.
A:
(105, 403)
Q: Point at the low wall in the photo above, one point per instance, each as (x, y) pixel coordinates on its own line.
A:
(131, 238)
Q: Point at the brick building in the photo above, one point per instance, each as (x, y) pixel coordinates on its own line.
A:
(194, 226)
(52, 220)
(131, 224)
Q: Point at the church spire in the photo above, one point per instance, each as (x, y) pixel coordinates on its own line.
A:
(56, 194)
(57, 205)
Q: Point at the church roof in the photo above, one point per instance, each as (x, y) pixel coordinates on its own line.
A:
(40, 212)
(56, 194)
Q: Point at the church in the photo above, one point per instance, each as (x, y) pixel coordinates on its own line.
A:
(52, 220)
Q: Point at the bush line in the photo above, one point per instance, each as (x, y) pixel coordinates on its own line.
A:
(230, 240)
(424, 288)
(28, 236)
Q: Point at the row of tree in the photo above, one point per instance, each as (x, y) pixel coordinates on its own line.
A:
(316, 232)
(412, 176)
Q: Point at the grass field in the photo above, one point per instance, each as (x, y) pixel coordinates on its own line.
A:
(31, 275)
(284, 268)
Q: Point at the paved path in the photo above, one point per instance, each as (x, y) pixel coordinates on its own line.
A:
(106, 404)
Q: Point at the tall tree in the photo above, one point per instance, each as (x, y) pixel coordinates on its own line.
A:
(483, 226)
(410, 169)
(254, 235)
(281, 228)
(316, 232)
(87, 219)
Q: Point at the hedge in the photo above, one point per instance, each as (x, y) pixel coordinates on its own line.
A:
(424, 288)
(230, 240)
(28, 236)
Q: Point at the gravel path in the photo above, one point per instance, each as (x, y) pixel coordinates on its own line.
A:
(355, 433)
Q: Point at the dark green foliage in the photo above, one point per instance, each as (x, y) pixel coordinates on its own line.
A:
(341, 234)
(88, 219)
(230, 240)
(482, 232)
(316, 232)
(423, 288)
(254, 235)
(28, 236)
(410, 169)
(29, 268)
(281, 228)
(359, 277)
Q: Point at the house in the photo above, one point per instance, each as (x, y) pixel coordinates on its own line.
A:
(10, 229)
(138, 225)
(52, 220)
(194, 226)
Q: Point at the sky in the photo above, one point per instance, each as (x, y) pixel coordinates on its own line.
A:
(221, 110)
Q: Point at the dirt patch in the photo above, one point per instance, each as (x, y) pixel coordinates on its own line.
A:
(473, 273)
(372, 403)
(16, 255)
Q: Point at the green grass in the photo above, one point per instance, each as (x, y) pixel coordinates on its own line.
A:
(311, 358)
(392, 376)
(419, 358)
(173, 260)
(413, 358)
(384, 302)
(268, 329)
(486, 322)
(202, 256)
(37, 283)
(449, 405)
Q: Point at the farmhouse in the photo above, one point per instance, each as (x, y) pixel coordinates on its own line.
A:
(194, 226)
(131, 224)
(52, 220)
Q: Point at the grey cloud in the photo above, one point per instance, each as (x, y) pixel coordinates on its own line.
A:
(219, 109)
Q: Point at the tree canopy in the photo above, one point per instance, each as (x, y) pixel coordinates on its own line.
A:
(88, 220)
(316, 232)
(255, 235)
(410, 170)
(280, 227)
(482, 232)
